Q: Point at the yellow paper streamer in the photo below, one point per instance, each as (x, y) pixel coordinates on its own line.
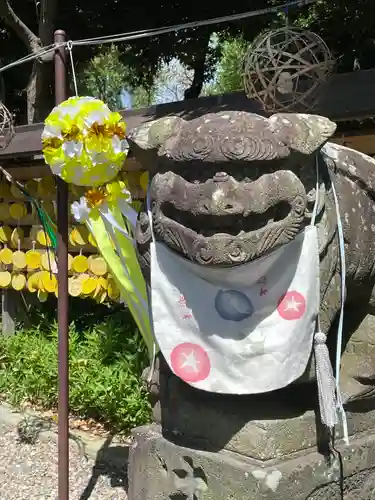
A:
(84, 143)
(128, 277)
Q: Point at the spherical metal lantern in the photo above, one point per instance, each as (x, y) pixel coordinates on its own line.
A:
(6, 126)
(286, 69)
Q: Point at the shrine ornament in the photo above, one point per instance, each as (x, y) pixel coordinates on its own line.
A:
(6, 126)
(286, 69)
(84, 142)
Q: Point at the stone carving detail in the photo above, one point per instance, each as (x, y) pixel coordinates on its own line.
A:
(189, 481)
(364, 492)
(360, 486)
(228, 187)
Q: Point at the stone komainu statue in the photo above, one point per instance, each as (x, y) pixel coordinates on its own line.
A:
(264, 169)
(227, 188)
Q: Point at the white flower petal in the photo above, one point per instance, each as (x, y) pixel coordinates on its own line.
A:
(116, 144)
(72, 148)
(80, 210)
(100, 157)
(87, 99)
(57, 167)
(97, 116)
(51, 131)
(69, 110)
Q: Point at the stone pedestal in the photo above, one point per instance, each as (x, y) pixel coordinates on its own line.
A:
(162, 470)
(272, 446)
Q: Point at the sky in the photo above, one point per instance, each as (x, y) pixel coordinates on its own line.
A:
(126, 100)
(172, 88)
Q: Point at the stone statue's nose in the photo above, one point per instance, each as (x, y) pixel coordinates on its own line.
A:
(221, 177)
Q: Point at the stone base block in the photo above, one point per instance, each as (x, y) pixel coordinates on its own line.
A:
(162, 470)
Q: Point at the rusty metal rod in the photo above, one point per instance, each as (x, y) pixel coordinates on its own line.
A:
(61, 94)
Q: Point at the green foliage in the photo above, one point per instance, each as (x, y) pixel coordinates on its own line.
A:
(229, 76)
(107, 78)
(142, 96)
(107, 358)
(230, 71)
(347, 26)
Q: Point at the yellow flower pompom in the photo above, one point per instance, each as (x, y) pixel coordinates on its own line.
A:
(84, 142)
(117, 190)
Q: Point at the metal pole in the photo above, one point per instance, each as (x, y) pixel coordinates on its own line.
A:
(61, 94)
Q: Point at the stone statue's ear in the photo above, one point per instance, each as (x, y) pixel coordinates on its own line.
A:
(146, 139)
(301, 132)
(153, 134)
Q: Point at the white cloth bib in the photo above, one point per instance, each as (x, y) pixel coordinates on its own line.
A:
(241, 330)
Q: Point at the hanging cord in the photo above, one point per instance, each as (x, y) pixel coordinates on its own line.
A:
(149, 213)
(69, 46)
(324, 372)
(340, 232)
(316, 204)
(330, 401)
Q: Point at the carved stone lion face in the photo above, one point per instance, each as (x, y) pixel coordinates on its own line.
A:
(229, 186)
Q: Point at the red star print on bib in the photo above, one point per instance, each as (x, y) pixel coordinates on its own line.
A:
(190, 362)
(292, 306)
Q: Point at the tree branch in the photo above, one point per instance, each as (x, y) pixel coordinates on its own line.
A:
(48, 13)
(31, 41)
(199, 68)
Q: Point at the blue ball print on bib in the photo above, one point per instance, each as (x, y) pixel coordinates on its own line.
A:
(233, 305)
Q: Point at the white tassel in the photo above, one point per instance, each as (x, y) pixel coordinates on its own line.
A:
(326, 381)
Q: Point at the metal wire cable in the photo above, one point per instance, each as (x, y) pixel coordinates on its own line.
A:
(194, 24)
(135, 35)
(31, 57)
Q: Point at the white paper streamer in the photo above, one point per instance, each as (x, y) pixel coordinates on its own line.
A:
(106, 214)
(128, 212)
